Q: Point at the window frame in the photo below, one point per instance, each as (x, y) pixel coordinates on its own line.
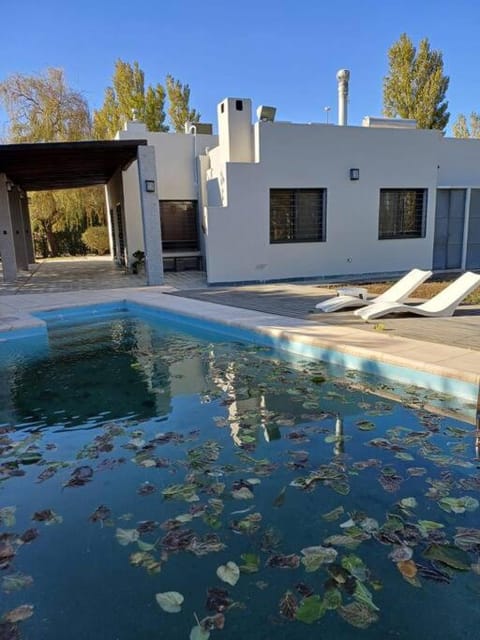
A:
(398, 216)
(294, 192)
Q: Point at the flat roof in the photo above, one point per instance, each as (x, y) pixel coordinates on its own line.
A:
(65, 165)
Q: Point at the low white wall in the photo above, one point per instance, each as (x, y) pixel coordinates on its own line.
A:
(302, 156)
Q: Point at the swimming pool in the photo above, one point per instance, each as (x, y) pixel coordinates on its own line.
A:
(274, 495)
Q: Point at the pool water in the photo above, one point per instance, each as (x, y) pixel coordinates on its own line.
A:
(277, 498)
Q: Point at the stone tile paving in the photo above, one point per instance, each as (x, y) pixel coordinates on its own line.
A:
(298, 301)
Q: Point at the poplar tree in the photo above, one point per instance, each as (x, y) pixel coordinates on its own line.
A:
(179, 110)
(127, 99)
(415, 86)
(462, 129)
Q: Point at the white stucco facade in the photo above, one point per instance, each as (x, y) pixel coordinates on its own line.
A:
(231, 175)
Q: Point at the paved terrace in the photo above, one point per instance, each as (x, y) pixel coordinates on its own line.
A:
(443, 346)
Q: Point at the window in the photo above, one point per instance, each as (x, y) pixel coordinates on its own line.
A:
(402, 213)
(239, 105)
(179, 225)
(297, 215)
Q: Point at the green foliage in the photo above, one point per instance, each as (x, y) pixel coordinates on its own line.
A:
(44, 109)
(126, 98)
(96, 239)
(415, 86)
(179, 110)
(461, 128)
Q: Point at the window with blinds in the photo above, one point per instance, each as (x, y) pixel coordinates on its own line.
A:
(297, 215)
(179, 225)
(402, 213)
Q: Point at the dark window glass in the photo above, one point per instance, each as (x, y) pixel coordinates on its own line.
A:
(239, 105)
(222, 107)
(179, 225)
(402, 213)
(297, 215)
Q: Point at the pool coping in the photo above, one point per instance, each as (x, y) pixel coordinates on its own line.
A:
(443, 368)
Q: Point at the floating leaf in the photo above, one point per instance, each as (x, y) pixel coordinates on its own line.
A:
(401, 553)
(229, 573)
(358, 614)
(251, 563)
(15, 582)
(365, 425)
(344, 541)
(362, 594)
(7, 516)
(23, 612)
(170, 601)
(80, 476)
(408, 503)
(334, 514)
(197, 633)
(217, 599)
(181, 492)
(467, 539)
(355, 566)
(407, 568)
(314, 557)
(288, 605)
(126, 536)
(100, 514)
(291, 561)
(280, 499)
(48, 516)
(311, 609)
(332, 598)
(449, 555)
(243, 493)
(458, 505)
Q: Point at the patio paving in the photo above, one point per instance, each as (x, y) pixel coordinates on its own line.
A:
(298, 301)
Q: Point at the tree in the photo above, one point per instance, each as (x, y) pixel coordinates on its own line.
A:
(179, 110)
(461, 129)
(415, 86)
(44, 109)
(126, 99)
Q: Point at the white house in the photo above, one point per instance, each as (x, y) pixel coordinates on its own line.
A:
(266, 200)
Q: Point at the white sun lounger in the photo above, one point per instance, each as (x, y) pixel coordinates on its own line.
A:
(396, 293)
(441, 305)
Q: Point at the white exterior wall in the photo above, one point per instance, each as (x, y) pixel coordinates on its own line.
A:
(459, 163)
(316, 156)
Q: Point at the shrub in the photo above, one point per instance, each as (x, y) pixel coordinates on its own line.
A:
(96, 239)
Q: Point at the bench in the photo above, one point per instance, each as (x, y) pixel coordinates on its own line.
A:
(179, 260)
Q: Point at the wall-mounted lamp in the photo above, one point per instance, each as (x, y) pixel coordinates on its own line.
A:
(150, 186)
(354, 174)
(9, 185)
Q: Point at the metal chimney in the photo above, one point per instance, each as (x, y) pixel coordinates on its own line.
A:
(343, 76)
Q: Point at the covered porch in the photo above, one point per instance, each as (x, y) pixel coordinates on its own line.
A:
(26, 168)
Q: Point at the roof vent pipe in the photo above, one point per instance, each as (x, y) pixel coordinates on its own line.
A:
(343, 76)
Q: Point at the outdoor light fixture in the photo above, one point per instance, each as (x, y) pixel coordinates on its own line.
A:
(9, 185)
(354, 174)
(266, 114)
(150, 186)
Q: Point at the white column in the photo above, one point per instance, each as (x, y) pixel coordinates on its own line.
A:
(466, 221)
(7, 245)
(16, 215)
(27, 225)
(152, 234)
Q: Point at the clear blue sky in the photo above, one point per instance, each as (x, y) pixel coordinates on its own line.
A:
(283, 53)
